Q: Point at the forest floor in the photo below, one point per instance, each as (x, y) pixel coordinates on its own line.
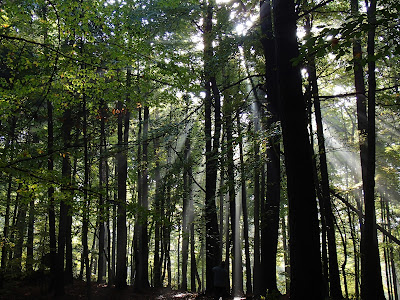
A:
(17, 290)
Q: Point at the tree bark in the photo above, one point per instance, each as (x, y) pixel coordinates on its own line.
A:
(371, 277)
(121, 268)
(305, 256)
(270, 215)
(249, 288)
(326, 208)
(213, 255)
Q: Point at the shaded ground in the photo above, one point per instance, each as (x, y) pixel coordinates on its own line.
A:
(16, 290)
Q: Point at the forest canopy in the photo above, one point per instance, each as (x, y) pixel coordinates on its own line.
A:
(145, 142)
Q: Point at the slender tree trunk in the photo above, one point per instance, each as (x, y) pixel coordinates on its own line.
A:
(121, 268)
(234, 214)
(326, 209)
(257, 272)
(50, 193)
(186, 220)
(356, 256)
(20, 231)
(142, 273)
(305, 256)
(5, 248)
(29, 242)
(286, 257)
(63, 220)
(249, 288)
(101, 270)
(158, 221)
(86, 208)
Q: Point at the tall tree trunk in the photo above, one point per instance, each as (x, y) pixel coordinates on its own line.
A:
(249, 289)
(29, 241)
(326, 208)
(121, 268)
(86, 208)
(237, 280)
(142, 273)
(371, 277)
(50, 193)
(20, 235)
(270, 216)
(213, 255)
(101, 270)
(158, 221)
(305, 256)
(187, 213)
(63, 220)
(5, 248)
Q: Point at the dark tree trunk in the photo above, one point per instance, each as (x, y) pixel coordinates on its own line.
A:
(187, 213)
(121, 268)
(20, 235)
(86, 208)
(142, 273)
(270, 216)
(5, 248)
(249, 288)
(213, 255)
(305, 256)
(29, 242)
(371, 277)
(101, 270)
(158, 221)
(50, 193)
(237, 280)
(64, 209)
(326, 208)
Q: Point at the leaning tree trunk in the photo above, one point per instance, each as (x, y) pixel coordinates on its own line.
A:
(305, 256)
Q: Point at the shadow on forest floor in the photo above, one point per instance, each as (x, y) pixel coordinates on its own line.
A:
(17, 290)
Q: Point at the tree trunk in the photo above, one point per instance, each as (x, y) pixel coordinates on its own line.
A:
(158, 221)
(121, 268)
(101, 270)
(50, 193)
(270, 216)
(20, 231)
(5, 248)
(249, 289)
(305, 256)
(29, 242)
(86, 201)
(187, 213)
(142, 273)
(213, 255)
(63, 220)
(326, 208)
